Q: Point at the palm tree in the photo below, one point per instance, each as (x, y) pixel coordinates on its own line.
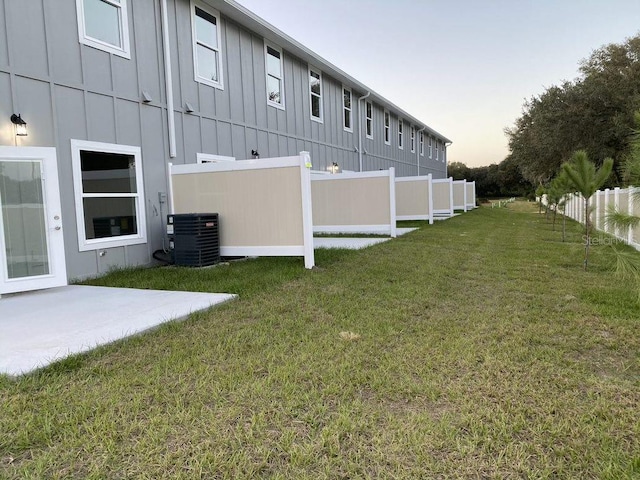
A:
(586, 180)
(562, 187)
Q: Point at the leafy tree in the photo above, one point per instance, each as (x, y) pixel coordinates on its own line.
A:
(592, 113)
(583, 176)
(458, 170)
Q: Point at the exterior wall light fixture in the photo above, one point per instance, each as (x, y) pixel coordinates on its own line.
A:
(21, 125)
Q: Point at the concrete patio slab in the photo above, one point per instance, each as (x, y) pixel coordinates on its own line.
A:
(347, 242)
(355, 243)
(38, 328)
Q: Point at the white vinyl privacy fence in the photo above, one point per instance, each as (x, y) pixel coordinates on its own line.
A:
(600, 204)
(442, 197)
(264, 205)
(362, 202)
(414, 198)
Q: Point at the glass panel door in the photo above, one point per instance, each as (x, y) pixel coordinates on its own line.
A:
(23, 219)
(31, 236)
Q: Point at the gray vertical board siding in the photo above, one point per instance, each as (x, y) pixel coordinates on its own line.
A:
(26, 37)
(248, 79)
(147, 48)
(224, 139)
(190, 137)
(239, 143)
(101, 118)
(209, 137)
(234, 73)
(34, 102)
(7, 133)
(4, 40)
(62, 39)
(128, 124)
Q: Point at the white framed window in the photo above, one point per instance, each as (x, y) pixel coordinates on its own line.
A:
(437, 150)
(430, 147)
(400, 132)
(444, 149)
(104, 24)
(346, 109)
(274, 76)
(210, 158)
(109, 195)
(413, 139)
(421, 143)
(368, 110)
(205, 34)
(315, 94)
(387, 128)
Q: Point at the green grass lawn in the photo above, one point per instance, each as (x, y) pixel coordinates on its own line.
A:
(480, 349)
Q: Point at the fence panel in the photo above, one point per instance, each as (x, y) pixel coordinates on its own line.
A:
(362, 202)
(414, 198)
(264, 205)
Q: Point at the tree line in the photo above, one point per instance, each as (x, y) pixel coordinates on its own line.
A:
(593, 113)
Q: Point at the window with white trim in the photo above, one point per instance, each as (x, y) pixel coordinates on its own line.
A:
(109, 194)
(315, 94)
(275, 77)
(368, 109)
(413, 139)
(430, 147)
(346, 109)
(422, 144)
(400, 132)
(104, 24)
(437, 149)
(387, 128)
(444, 149)
(207, 58)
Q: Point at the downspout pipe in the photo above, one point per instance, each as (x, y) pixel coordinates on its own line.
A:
(446, 157)
(166, 55)
(417, 140)
(360, 129)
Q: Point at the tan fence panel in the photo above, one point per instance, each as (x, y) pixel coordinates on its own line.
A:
(413, 198)
(442, 197)
(354, 202)
(471, 195)
(261, 204)
(459, 194)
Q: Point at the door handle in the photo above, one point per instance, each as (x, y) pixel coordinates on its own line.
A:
(57, 227)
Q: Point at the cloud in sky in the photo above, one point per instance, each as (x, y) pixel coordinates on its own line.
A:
(464, 67)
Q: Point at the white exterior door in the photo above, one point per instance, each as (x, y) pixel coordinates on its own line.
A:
(31, 237)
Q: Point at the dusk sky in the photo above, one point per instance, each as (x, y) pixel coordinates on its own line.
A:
(464, 67)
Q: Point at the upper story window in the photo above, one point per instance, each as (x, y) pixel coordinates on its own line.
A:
(444, 149)
(275, 77)
(368, 107)
(109, 195)
(422, 143)
(437, 150)
(207, 60)
(413, 139)
(315, 92)
(400, 132)
(103, 24)
(346, 109)
(430, 147)
(387, 128)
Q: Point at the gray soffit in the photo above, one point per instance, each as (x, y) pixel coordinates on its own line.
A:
(245, 17)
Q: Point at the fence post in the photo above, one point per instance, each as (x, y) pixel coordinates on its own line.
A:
(616, 204)
(630, 196)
